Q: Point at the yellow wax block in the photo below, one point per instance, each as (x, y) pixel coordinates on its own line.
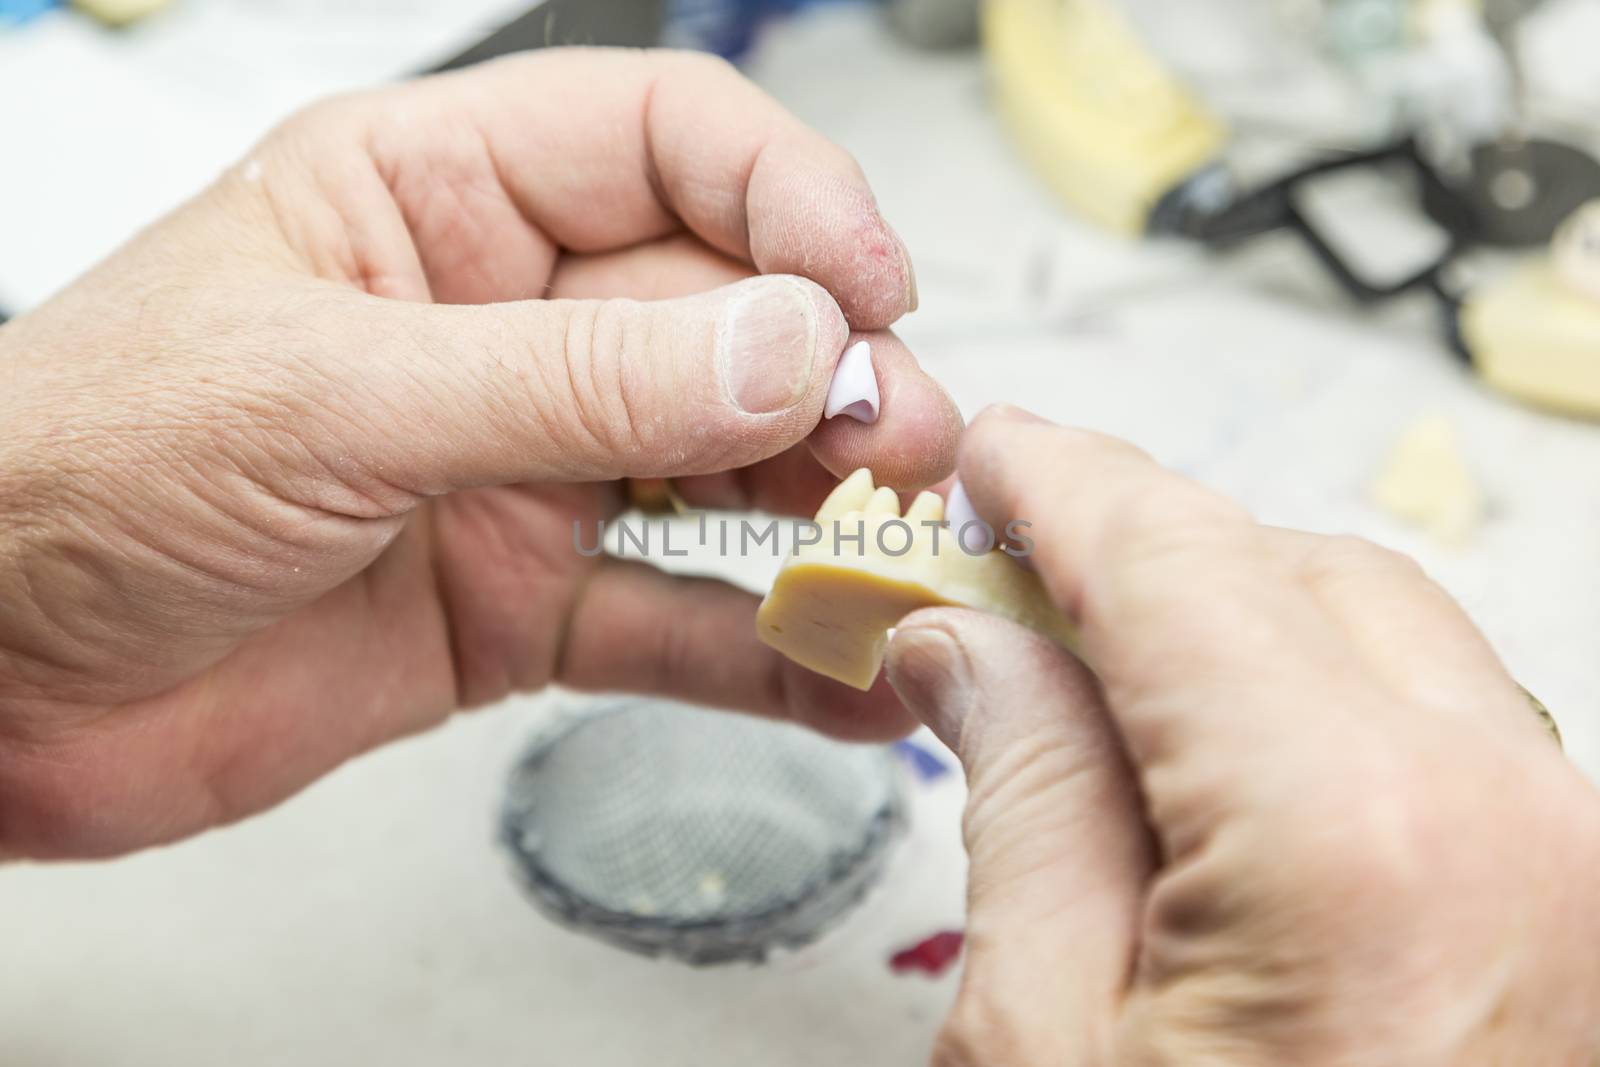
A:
(1092, 110)
(1426, 481)
(1537, 339)
(119, 12)
(834, 602)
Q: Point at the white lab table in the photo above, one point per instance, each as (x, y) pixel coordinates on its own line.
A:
(372, 918)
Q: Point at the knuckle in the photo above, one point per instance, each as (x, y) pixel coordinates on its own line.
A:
(606, 368)
(676, 660)
(302, 148)
(706, 65)
(1347, 553)
(982, 1029)
(1372, 838)
(327, 114)
(953, 1049)
(970, 1037)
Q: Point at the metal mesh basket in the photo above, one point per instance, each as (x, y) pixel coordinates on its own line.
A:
(711, 837)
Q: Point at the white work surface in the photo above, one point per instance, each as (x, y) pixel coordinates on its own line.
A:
(372, 919)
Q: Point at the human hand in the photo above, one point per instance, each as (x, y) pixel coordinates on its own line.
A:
(271, 493)
(1299, 813)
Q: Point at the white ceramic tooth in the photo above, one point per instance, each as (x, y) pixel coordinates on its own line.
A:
(959, 511)
(854, 389)
(928, 507)
(849, 495)
(885, 501)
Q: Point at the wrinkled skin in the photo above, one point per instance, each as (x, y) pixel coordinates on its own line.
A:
(295, 472)
(1298, 814)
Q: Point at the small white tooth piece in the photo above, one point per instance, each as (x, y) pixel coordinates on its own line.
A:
(885, 501)
(928, 507)
(849, 495)
(959, 511)
(854, 389)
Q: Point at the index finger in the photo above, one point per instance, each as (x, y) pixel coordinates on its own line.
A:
(1200, 634)
(605, 148)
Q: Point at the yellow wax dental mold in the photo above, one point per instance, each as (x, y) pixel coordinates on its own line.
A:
(1537, 338)
(834, 601)
(1093, 109)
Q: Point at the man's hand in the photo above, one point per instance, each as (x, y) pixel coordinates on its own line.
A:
(1299, 813)
(296, 471)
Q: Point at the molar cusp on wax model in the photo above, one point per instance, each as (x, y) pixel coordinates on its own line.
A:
(835, 600)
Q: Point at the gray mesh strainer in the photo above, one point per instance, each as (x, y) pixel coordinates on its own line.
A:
(707, 836)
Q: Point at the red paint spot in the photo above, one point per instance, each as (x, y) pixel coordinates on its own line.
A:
(931, 956)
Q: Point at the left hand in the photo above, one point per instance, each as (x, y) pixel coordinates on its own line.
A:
(267, 499)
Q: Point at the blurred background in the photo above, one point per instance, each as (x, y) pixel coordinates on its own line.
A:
(1337, 258)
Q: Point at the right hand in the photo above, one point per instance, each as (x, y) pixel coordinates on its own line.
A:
(1298, 814)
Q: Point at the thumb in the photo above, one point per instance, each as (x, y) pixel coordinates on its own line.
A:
(583, 389)
(1059, 850)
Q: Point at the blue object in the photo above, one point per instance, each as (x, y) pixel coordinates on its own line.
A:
(928, 767)
(16, 12)
(726, 27)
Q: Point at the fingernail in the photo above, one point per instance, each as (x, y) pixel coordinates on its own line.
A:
(854, 389)
(930, 670)
(767, 344)
(911, 273)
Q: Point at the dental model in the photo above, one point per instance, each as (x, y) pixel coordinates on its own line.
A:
(834, 601)
(1536, 335)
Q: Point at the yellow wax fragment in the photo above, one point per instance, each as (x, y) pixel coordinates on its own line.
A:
(1093, 110)
(119, 12)
(1426, 481)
